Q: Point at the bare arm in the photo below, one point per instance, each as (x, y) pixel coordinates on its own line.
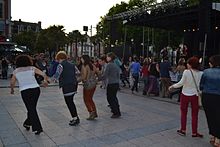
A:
(84, 73)
(12, 83)
(39, 72)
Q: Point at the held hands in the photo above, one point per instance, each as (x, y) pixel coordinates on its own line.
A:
(170, 88)
(44, 83)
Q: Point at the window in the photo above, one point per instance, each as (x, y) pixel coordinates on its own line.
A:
(28, 28)
(37, 29)
(21, 28)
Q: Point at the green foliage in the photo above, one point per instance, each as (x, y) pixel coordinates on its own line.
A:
(193, 2)
(51, 39)
(158, 38)
(216, 1)
(27, 39)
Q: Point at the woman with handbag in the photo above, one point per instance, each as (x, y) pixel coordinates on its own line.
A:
(191, 77)
(210, 86)
(88, 76)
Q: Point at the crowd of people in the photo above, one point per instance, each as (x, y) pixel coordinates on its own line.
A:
(160, 77)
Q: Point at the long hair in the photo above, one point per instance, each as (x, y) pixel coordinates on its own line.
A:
(87, 61)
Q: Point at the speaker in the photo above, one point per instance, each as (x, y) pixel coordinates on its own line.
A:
(115, 33)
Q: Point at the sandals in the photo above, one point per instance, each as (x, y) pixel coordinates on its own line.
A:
(197, 135)
(181, 132)
(212, 140)
(216, 143)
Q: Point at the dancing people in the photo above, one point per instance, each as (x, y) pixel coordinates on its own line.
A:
(30, 90)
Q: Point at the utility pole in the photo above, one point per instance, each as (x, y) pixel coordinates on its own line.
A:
(143, 41)
(91, 40)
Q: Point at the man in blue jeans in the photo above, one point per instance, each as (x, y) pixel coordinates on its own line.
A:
(135, 70)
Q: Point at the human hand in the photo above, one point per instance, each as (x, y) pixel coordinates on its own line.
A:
(170, 88)
(44, 84)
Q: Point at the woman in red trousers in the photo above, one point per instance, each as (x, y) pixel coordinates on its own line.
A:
(191, 77)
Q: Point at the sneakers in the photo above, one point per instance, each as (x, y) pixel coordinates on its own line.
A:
(197, 135)
(38, 132)
(27, 127)
(74, 122)
(92, 115)
(181, 132)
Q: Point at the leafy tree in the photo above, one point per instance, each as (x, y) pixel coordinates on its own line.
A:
(75, 37)
(51, 39)
(27, 39)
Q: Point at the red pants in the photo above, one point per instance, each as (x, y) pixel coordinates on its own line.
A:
(184, 102)
(87, 96)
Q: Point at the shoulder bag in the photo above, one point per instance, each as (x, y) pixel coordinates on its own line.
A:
(197, 89)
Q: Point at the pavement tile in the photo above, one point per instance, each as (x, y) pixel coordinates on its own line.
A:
(75, 144)
(43, 143)
(60, 140)
(144, 122)
(19, 145)
(13, 140)
(92, 142)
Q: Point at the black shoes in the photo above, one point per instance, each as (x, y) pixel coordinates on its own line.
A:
(74, 122)
(116, 115)
(38, 132)
(27, 127)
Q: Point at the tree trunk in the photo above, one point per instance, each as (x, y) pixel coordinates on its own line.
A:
(76, 48)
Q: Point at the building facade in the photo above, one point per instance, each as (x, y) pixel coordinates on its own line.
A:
(85, 48)
(5, 19)
(21, 26)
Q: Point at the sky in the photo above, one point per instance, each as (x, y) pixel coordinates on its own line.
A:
(72, 14)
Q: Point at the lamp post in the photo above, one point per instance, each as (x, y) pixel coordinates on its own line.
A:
(132, 43)
(143, 42)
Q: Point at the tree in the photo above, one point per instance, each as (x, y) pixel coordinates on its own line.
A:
(104, 27)
(51, 39)
(27, 39)
(74, 37)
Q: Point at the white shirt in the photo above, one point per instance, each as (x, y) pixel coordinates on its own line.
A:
(189, 88)
(26, 77)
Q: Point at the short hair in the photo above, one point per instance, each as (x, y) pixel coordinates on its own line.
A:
(112, 56)
(215, 60)
(23, 61)
(61, 55)
(194, 62)
(103, 58)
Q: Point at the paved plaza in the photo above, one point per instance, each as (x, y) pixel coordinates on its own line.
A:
(145, 122)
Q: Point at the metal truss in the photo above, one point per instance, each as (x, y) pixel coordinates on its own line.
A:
(146, 9)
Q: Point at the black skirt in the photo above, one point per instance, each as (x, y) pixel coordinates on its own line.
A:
(211, 105)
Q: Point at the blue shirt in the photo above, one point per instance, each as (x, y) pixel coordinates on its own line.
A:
(164, 69)
(210, 81)
(135, 68)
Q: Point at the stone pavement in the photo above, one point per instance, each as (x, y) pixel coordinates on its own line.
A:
(145, 122)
